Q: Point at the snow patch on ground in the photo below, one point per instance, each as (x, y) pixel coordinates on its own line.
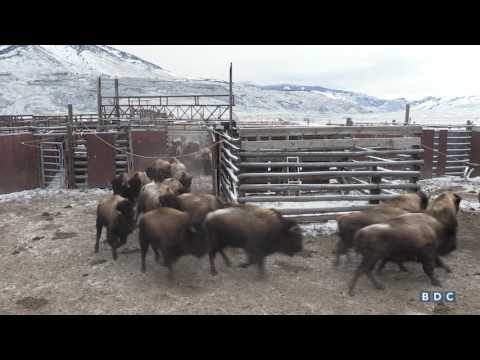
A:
(47, 193)
(327, 228)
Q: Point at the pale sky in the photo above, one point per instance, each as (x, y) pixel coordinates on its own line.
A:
(388, 72)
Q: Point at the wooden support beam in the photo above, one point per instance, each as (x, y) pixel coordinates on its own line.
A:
(310, 198)
(329, 174)
(320, 144)
(245, 131)
(442, 152)
(348, 164)
(300, 211)
(327, 153)
(307, 187)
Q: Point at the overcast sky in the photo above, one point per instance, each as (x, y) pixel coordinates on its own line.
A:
(387, 72)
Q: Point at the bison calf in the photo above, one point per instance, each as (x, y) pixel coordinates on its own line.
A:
(116, 214)
(169, 231)
(260, 232)
(421, 237)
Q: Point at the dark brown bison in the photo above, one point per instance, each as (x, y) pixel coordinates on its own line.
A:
(116, 214)
(197, 206)
(349, 224)
(259, 231)
(422, 237)
(137, 182)
(170, 232)
(120, 184)
(159, 170)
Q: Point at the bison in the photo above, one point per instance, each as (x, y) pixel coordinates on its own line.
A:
(421, 237)
(116, 214)
(151, 197)
(349, 224)
(120, 184)
(159, 170)
(259, 231)
(169, 231)
(197, 206)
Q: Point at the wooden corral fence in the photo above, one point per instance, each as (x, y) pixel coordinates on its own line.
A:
(318, 165)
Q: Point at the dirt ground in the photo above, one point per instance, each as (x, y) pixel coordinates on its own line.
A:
(48, 266)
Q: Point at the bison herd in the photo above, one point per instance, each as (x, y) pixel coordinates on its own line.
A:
(175, 222)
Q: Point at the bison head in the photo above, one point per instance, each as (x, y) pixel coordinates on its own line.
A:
(126, 218)
(291, 237)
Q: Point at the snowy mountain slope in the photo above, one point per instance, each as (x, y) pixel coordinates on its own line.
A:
(27, 60)
(43, 79)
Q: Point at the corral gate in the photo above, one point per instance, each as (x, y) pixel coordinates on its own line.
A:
(52, 164)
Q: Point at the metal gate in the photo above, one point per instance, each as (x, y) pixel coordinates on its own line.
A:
(52, 162)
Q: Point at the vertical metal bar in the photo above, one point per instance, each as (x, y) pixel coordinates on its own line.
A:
(407, 114)
(117, 101)
(70, 150)
(230, 97)
(99, 101)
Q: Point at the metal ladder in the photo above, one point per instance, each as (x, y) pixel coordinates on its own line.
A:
(297, 181)
(52, 163)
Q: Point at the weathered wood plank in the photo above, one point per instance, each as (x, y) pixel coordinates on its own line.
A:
(306, 187)
(328, 153)
(330, 174)
(261, 165)
(394, 143)
(310, 198)
(329, 130)
(299, 211)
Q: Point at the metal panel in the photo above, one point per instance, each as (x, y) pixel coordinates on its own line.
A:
(101, 159)
(18, 163)
(149, 144)
(52, 169)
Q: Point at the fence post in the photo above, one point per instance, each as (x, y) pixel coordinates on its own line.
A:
(375, 180)
(117, 103)
(475, 150)
(99, 101)
(70, 151)
(442, 152)
(427, 141)
(407, 114)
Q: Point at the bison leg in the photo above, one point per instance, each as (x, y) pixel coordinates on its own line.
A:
(225, 258)
(441, 263)
(211, 257)
(367, 265)
(112, 241)
(157, 256)
(99, 234)
(428, 265)
(340, 249)
(401, 267)
(381, 266)
(261, 269)
(143, 250)
(114, 253)
(245, 264)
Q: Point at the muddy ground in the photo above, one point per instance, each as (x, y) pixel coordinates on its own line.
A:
(48, 266)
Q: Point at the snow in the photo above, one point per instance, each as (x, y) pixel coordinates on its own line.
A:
(48, 193)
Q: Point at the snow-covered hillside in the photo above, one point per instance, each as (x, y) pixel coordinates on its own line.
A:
(43, 79)
(22, 61)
